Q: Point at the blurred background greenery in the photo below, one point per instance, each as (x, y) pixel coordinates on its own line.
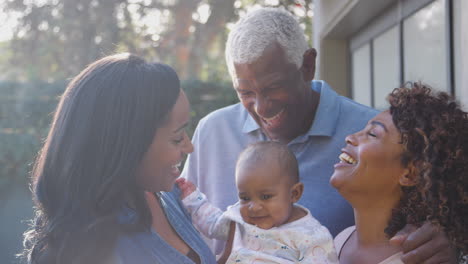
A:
(44, 43)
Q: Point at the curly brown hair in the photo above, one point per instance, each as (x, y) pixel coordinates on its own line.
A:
(434, 135)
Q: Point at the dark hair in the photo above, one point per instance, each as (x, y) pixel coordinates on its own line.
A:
(264, 151)
(85, 174)
(434, 134)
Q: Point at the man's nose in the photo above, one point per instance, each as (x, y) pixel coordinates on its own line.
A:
(261, 106)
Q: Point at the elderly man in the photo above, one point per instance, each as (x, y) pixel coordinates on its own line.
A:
(272, 70)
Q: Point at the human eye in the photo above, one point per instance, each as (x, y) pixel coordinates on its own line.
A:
(371, 133)
(177, 141)
(245, 93)
(244, 198)
(369, 130)
(266, 196)
(179, 138)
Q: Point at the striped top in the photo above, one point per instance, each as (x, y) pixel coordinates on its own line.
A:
(149, 247)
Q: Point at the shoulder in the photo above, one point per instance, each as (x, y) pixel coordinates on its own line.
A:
(394, 259)
(345, 108)
(348, 105)
(227, 115)
(342, 237)
(307, 226)
(225, 125)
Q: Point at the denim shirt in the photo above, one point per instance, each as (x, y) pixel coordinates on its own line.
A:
(148, 247)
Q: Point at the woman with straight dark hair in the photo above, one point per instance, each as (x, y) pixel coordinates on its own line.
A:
(103, 182)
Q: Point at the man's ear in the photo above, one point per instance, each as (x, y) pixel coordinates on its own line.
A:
(409, 177)
(296, 191)
(308, 64)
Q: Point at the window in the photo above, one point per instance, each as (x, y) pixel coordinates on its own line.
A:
(425, 46)
(411, 42)
(386, 66)
(361, 75)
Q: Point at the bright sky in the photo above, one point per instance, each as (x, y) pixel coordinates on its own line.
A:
(8, 21)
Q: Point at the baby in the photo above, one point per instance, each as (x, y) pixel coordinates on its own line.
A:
(267, 226)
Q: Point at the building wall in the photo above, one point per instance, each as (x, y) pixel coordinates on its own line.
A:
(332, 59)
(342, 26)
(461, 54)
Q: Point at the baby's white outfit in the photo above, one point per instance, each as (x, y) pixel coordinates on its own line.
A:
(302, 241)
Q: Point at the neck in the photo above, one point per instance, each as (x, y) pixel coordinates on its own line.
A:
(310, 105)
(370, 227)
(371, 221)
(312, 102)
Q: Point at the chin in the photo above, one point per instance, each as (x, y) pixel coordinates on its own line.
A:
(334, 181)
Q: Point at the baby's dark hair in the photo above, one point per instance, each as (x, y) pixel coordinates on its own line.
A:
(266, 151)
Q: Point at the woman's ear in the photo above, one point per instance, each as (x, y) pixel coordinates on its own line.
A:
(296, 191)
(409, 176)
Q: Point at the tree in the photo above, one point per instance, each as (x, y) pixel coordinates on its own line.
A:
(57, 38)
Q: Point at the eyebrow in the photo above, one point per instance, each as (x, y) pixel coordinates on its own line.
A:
(379, 124)
(269, 79)
(181, 127)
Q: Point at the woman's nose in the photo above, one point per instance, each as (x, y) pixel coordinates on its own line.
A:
(351, 139)
(188, 146)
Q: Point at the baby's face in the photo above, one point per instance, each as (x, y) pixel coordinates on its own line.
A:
(265, 196)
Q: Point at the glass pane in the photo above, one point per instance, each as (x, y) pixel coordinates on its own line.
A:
(362, 75)
(460, 39)
(425, 46)
(386, 66)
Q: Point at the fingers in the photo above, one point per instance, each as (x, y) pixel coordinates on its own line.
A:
(428, 244)
(418, 237)
(400, 237)
(180, 181)
(445, 256)
(185, 186)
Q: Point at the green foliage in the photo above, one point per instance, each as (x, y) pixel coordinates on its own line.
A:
(206, 97)
(26, 112)
(24, 118)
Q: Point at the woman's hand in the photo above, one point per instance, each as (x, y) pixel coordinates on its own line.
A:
(426, 244)
(186, 187)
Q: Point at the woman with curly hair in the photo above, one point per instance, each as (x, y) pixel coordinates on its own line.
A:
(409, 165)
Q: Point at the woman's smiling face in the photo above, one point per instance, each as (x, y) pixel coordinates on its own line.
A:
(370, 164)
(160, 165)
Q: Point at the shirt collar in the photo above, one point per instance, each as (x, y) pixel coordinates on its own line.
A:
(325, 117)
(249, 124)
(327, 112)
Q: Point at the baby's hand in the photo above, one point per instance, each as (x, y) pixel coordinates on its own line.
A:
(186, 187)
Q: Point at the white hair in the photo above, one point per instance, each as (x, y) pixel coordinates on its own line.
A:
(256, 31)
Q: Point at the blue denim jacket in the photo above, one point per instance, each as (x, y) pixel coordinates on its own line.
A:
(148, 247)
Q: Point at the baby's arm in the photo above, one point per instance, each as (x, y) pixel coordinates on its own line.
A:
(207, 218)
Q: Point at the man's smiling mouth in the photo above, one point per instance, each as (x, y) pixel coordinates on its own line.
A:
(272, 119)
